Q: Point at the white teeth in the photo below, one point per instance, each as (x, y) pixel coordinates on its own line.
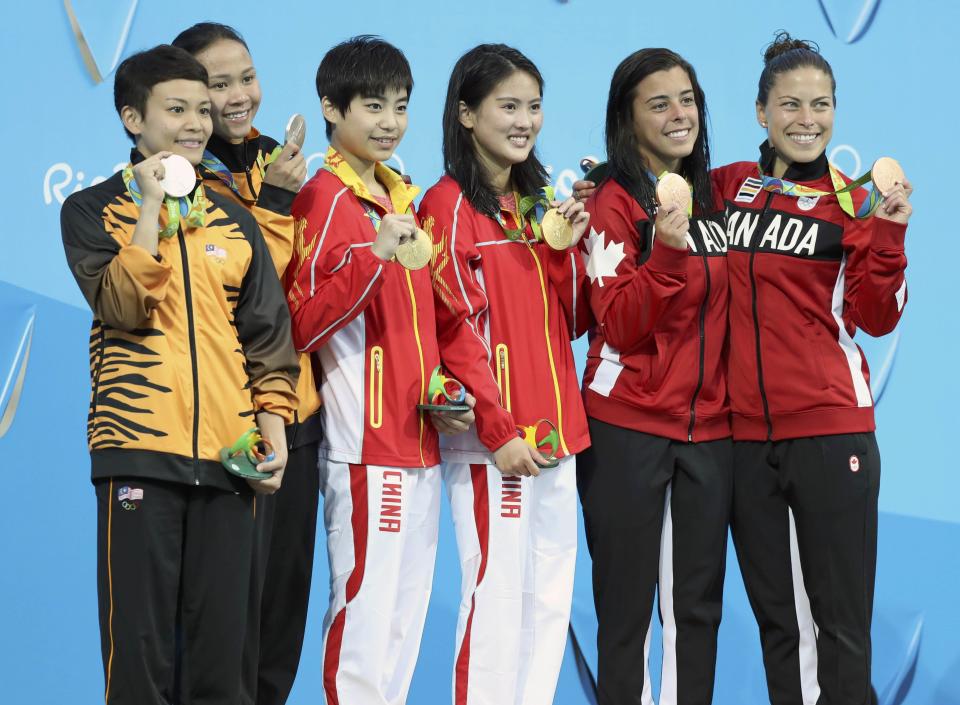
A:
(803, 139)
(520, 141)
(678, 134)
(237, 116)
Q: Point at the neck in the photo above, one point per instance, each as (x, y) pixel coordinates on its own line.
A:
(363, 168)
(780, 167)
(657, 165)
(497, 175)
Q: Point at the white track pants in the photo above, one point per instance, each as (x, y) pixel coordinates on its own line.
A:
(382, 541)
(517, 539)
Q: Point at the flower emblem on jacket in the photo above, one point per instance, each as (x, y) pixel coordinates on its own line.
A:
(601, 259)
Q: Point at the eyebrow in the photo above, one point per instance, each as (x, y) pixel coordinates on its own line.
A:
(227, 75)
(184, 101)
(791, 97)
(517, 100)
(666, 97)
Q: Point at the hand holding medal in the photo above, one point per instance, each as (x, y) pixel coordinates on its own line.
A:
(400, 240)
(286, 168)
(891, 182)
(673, 214)
(543, 437)
(563, 225)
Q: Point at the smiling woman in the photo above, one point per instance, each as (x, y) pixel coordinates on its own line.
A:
(807, 463)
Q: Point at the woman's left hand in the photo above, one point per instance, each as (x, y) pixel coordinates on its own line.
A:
(896, 204)
(573, 211)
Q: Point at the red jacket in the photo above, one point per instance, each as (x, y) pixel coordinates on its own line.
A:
(370, 322)
(656, 360)
(506, 313)
(803, 277)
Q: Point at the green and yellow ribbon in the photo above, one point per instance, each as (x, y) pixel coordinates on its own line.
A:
(192, 210)
(843, 191)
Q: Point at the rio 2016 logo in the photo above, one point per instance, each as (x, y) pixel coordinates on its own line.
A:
(61, 180)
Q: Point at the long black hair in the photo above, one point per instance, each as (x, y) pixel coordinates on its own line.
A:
(474, 77)
(623, 154)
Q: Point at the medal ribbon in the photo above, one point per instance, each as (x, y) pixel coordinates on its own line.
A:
(842, 192)
(538, 205)
(194, 211)
(213, 164)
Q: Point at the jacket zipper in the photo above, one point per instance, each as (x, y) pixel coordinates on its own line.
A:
(246, 168)
(756, 317)
(703, 338)
(423, 376)
(503, 374)
(376, 387)
(188, 295)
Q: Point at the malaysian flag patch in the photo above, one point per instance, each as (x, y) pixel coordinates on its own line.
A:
(749, 190)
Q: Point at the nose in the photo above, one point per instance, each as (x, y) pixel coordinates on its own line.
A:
(523, 119)
(237, 95)
(388, 120)
(806, 115)
(677, 113)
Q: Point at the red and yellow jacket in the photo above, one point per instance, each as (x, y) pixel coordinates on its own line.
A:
(506, 313)
(237, 171)
(656, 361)
(371, 323)
(186, 346)
(804, 276)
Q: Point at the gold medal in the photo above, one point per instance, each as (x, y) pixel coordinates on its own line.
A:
(415, 253)
(557, 230)
(673, 190)
(886, 173)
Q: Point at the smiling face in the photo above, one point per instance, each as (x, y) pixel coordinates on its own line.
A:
(234, 88)
(371, 127)
(505, 124)
(176, 119)
(798, 116)
(665, 119)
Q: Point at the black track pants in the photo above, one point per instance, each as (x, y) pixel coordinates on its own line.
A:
(626, 480)
(286, 528)
(173, 574)
(805, 529)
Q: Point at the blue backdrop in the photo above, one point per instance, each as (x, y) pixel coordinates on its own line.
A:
(896, 94)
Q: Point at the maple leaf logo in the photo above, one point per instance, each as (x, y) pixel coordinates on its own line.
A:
(600, 259)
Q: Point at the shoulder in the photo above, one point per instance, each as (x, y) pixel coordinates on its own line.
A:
(611, 196)
(94, 198)
(267, 143)
(233, 213)
(445, 196)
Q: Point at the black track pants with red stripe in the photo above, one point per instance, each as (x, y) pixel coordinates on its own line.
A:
(805, 529)
(173, 573)
(284, 538)
(655, 511)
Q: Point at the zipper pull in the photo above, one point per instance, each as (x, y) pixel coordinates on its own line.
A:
(376, 360)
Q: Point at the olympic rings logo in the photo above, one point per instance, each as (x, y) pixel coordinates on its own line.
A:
(129, 506)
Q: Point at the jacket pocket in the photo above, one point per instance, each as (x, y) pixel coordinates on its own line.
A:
(376, 386)
(815, 342)
(503, 374)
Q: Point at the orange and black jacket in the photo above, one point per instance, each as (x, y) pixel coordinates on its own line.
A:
(186, 346)
(247, 163)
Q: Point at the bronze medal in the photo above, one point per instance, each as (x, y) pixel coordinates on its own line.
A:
(415, 253)
(673, 190)
(557, 230)
(886, 173)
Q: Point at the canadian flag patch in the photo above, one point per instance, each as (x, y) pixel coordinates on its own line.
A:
(854, 463)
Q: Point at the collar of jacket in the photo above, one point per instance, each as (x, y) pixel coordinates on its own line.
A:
(136, 157)
(798, 171)
(401, 193)
(236, 157)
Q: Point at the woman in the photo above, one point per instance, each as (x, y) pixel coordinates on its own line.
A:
(507, 308)
(259, 175)
(807, 269)
(656, 483)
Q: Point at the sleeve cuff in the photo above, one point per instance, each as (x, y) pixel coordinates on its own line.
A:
(668, 259)
(888, 235)
(275, 199)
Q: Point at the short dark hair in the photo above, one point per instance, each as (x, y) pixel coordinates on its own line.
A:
(138, 74)
(361, 66)
(623, 153)
(197, 38)
(784, 54)
(475, 75)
